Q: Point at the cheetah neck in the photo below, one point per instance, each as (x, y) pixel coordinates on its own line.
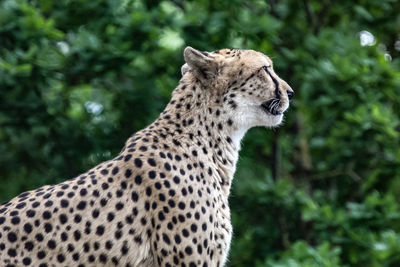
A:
(191, 123)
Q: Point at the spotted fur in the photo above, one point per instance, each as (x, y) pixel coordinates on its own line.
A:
(163, 201)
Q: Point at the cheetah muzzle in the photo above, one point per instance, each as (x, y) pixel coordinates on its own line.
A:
(163, 201)
(271, 106)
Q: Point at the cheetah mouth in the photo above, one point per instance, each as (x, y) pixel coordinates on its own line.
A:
(271, 106)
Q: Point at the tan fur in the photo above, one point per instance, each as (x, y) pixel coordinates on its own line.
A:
(163, 201)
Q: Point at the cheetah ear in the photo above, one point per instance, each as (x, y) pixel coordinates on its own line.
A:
(185, 68)
(202, 64)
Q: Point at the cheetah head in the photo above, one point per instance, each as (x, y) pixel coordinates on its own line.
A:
(242, 81)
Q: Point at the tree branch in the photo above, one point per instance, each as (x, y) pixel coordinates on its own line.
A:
(334, 173)
(275, 162)
(309, 14)
(272, 4)
(179, 4)
(321, 15)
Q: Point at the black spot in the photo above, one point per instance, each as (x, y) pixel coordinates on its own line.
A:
(161, 197)
(188, 250)
(152, 174)
(15, 220)
(138, 239)
(103, 258)
(29, 246)
(95, 213)
(166, 239)
(63, 218)
(77, 218)
(12, 237)
(177, 239)
(124, 249)
(70, 248)
(185, 233)
(119, 206)
(138, 179)
(193, 227)
(64, 236)
(75, 256)
(41, 254)
(77, 235)
(148, 191)
(115, 261)
(115, 170)
(161, 216)
(158, 185)
(14, 213)
(138, 162)
(100, 230)
(51, 244)
(104, 186)
(167, 166)
(151, 162)
(176, 179)
(127, 157)
(103, 202)
(171, 203)
(46, 215)
(81, 205)
(20, 205)
(184, 191)
(64, 203)
(30, 213)
(60, 258)
(109, 245)
(181, 205)
(118, 234)
(123, 185)
(12, 252)
(128, 173)
(83, 192)
(39, 237)
(135, 196)
(110, 216)
(48, 227)
(28, 228)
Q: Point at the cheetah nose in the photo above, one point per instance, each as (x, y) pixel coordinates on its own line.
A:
(290, 94)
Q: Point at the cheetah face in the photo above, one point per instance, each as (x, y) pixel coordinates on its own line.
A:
(262, 97)
(243, 81)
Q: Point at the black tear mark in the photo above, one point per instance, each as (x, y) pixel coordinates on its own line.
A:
(277, 93)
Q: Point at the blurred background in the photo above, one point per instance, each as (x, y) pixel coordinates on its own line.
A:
(78, 77)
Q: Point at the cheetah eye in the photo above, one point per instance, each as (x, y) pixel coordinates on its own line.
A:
(266, 68)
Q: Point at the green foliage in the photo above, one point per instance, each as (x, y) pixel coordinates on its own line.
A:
(78, 77)
(302, 255)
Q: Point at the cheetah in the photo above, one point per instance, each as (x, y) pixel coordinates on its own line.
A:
(163, 201)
